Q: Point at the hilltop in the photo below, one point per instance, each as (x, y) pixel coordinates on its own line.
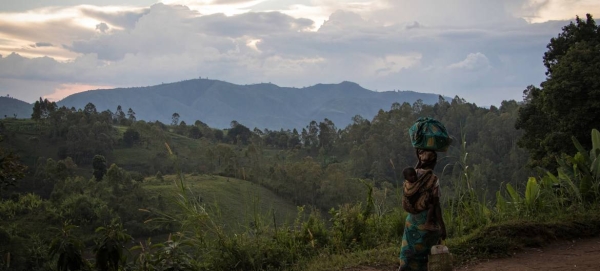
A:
(217, 103)
(9, 107)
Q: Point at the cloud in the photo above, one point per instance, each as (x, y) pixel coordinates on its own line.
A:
(473, 62)
(64, 90)
(120, 18)
(224, 2)
(415, 24)
(102, 27)
(546, 10)
(252, 23)
(371, 46)
(43, 44)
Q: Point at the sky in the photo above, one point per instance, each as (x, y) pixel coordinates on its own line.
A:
(482, 51)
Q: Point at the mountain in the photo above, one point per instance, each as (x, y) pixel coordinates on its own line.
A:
(9, 107)
(217, 103)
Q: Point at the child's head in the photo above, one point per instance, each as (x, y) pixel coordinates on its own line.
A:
(410, 174)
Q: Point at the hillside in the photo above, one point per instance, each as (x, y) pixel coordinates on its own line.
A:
(10, 107)
(217, 103)
(232, 202)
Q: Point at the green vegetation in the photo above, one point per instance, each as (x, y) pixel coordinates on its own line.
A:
(568, 101)
(89, 190)
(233, 202)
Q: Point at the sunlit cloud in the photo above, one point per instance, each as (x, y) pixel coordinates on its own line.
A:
(252, 43)
(207, 7)
(563, 10)
(54, 25)
(381, 44)
(392, 64)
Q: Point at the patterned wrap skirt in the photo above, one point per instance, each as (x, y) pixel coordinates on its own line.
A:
(416, 243)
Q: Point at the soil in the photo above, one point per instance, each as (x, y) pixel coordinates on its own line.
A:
(580, 255)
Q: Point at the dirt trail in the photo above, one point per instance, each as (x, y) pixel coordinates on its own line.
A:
(583, 254)
(580, 255)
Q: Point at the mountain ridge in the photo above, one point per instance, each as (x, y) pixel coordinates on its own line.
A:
(263, 105)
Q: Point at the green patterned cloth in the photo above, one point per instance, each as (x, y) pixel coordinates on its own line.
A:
(416, 243)
(429, 134)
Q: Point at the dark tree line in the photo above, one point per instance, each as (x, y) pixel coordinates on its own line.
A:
(567, 103)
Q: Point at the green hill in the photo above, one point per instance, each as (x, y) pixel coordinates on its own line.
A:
(9, 107)
(231, 202)
(217, 103)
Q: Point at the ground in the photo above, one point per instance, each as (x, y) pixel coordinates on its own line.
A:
(580, 255)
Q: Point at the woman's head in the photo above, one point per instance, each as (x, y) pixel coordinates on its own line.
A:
(427, 159)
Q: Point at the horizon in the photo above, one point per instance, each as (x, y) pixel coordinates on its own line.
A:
(482, 52)
(251, 84)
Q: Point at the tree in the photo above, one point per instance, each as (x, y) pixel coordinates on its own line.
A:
(567, 103)
(327, 134)
(11, 169)
(182, 128)
(195, 132)
(37, 111)
(90, 109)
(42, 109)
(119, 115)
(312, 138)
(219, 135)
(131, 115)
(109, 251)
(68, 249)
(175, 119)
(238, 131)
(201, 124)
(99, 165)
(130, 137)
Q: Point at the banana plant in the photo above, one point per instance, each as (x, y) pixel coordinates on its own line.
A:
(68, 249)
(586, 167)
(532, 194)
(109, 251)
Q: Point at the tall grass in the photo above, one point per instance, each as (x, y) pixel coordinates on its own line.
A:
(202, 243)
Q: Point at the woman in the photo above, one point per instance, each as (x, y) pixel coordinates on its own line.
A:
(417, 240)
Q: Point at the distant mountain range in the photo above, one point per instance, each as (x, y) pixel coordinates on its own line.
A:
(10, 107)
(217, 103)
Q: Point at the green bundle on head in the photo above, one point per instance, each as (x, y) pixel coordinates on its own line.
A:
(429, 134)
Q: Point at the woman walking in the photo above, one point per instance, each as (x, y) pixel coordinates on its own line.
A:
(419, 197)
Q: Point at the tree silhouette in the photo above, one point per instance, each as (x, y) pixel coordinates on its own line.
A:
(99, 165)
(175, 119)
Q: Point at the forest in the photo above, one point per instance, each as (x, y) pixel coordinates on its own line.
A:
(83, 189)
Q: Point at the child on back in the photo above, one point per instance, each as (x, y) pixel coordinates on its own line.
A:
(410, 175)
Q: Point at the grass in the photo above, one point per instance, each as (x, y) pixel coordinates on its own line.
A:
(494, 241)
(384, 258)
(232, 202)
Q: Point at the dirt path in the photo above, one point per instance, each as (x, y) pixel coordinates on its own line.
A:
(564, 255)
(580, 255)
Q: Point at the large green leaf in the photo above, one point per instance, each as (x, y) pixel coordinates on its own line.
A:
(516, 198)
(547, 181)
(571, 185)
(580, 148)
(532, 191)
(595, 140)
(595, 169)
(501, 205)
